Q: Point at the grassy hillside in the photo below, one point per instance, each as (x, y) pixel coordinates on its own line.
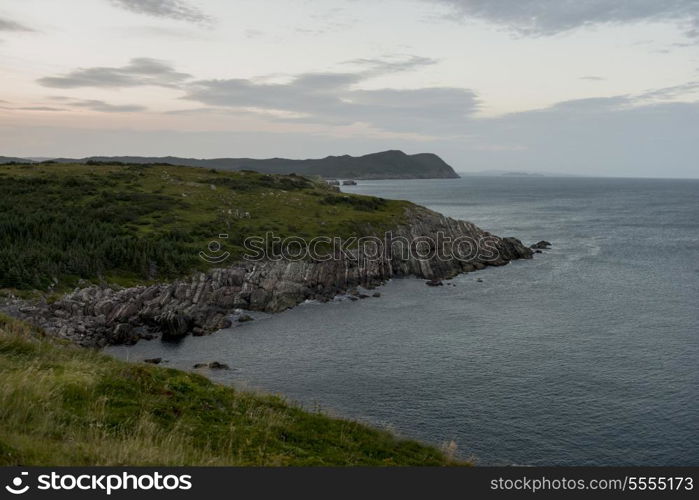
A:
(63, 405)
(130, 224)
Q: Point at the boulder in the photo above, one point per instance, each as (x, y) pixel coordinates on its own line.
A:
(215, 365)
(541, 245)
(174, 325)
(124, 334)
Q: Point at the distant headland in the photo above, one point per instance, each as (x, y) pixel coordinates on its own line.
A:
(391, 164)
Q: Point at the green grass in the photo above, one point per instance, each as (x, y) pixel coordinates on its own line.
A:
(64, 405)
(134, 224)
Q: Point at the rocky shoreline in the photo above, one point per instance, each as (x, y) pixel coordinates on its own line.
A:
(96, 316)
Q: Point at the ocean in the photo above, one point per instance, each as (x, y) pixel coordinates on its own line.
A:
(586, 355)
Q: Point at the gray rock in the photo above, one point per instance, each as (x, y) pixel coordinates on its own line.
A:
(174, 325)
(541, 245)
(215, 365)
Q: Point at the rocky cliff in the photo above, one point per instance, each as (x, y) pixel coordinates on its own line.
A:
(203, 303)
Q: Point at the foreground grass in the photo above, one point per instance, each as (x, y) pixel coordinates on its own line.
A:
(64, 405)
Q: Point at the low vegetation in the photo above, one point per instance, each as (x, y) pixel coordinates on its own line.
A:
(131, 224)
(64, 405)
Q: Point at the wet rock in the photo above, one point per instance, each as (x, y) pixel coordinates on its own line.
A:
(174, 325)
(153, 361)
(215, 365)
(201, 365)
(541, 245)
(225, 323)
(434, 282)
(123, 334)
(376, 294)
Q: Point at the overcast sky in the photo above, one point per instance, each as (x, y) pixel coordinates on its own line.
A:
(594, 87)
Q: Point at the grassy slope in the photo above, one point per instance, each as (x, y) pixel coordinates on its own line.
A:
(63, 405)
(129, 224)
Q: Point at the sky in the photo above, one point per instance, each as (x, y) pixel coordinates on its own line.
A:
(588, 87)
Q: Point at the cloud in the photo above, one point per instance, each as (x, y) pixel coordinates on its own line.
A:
(91, 104)
(173, 9)
(605, 136)
(39, 108)
(549, 17)
(97, 105)
(676, 91)
(393, 64)
(598, 138)
(333, 99)
(9, 25)
(140, 71)
(593, 78)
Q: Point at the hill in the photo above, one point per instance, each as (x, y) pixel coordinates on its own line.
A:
(384, 165)
(132, 224)
(12, 159)
(64, 405)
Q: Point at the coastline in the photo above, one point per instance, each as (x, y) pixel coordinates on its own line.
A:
(96, 316)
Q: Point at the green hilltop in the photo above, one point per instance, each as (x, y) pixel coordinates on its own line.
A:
(137, 223)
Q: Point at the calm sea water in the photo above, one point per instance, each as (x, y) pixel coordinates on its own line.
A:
(587, 355)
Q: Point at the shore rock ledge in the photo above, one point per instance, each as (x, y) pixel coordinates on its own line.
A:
(100, 315)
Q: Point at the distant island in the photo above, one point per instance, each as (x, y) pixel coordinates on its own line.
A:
(514, 173)
(391, 164)
(13, 159)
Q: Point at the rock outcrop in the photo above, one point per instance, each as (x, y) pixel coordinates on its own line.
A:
(200, 304)
(541, 245)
